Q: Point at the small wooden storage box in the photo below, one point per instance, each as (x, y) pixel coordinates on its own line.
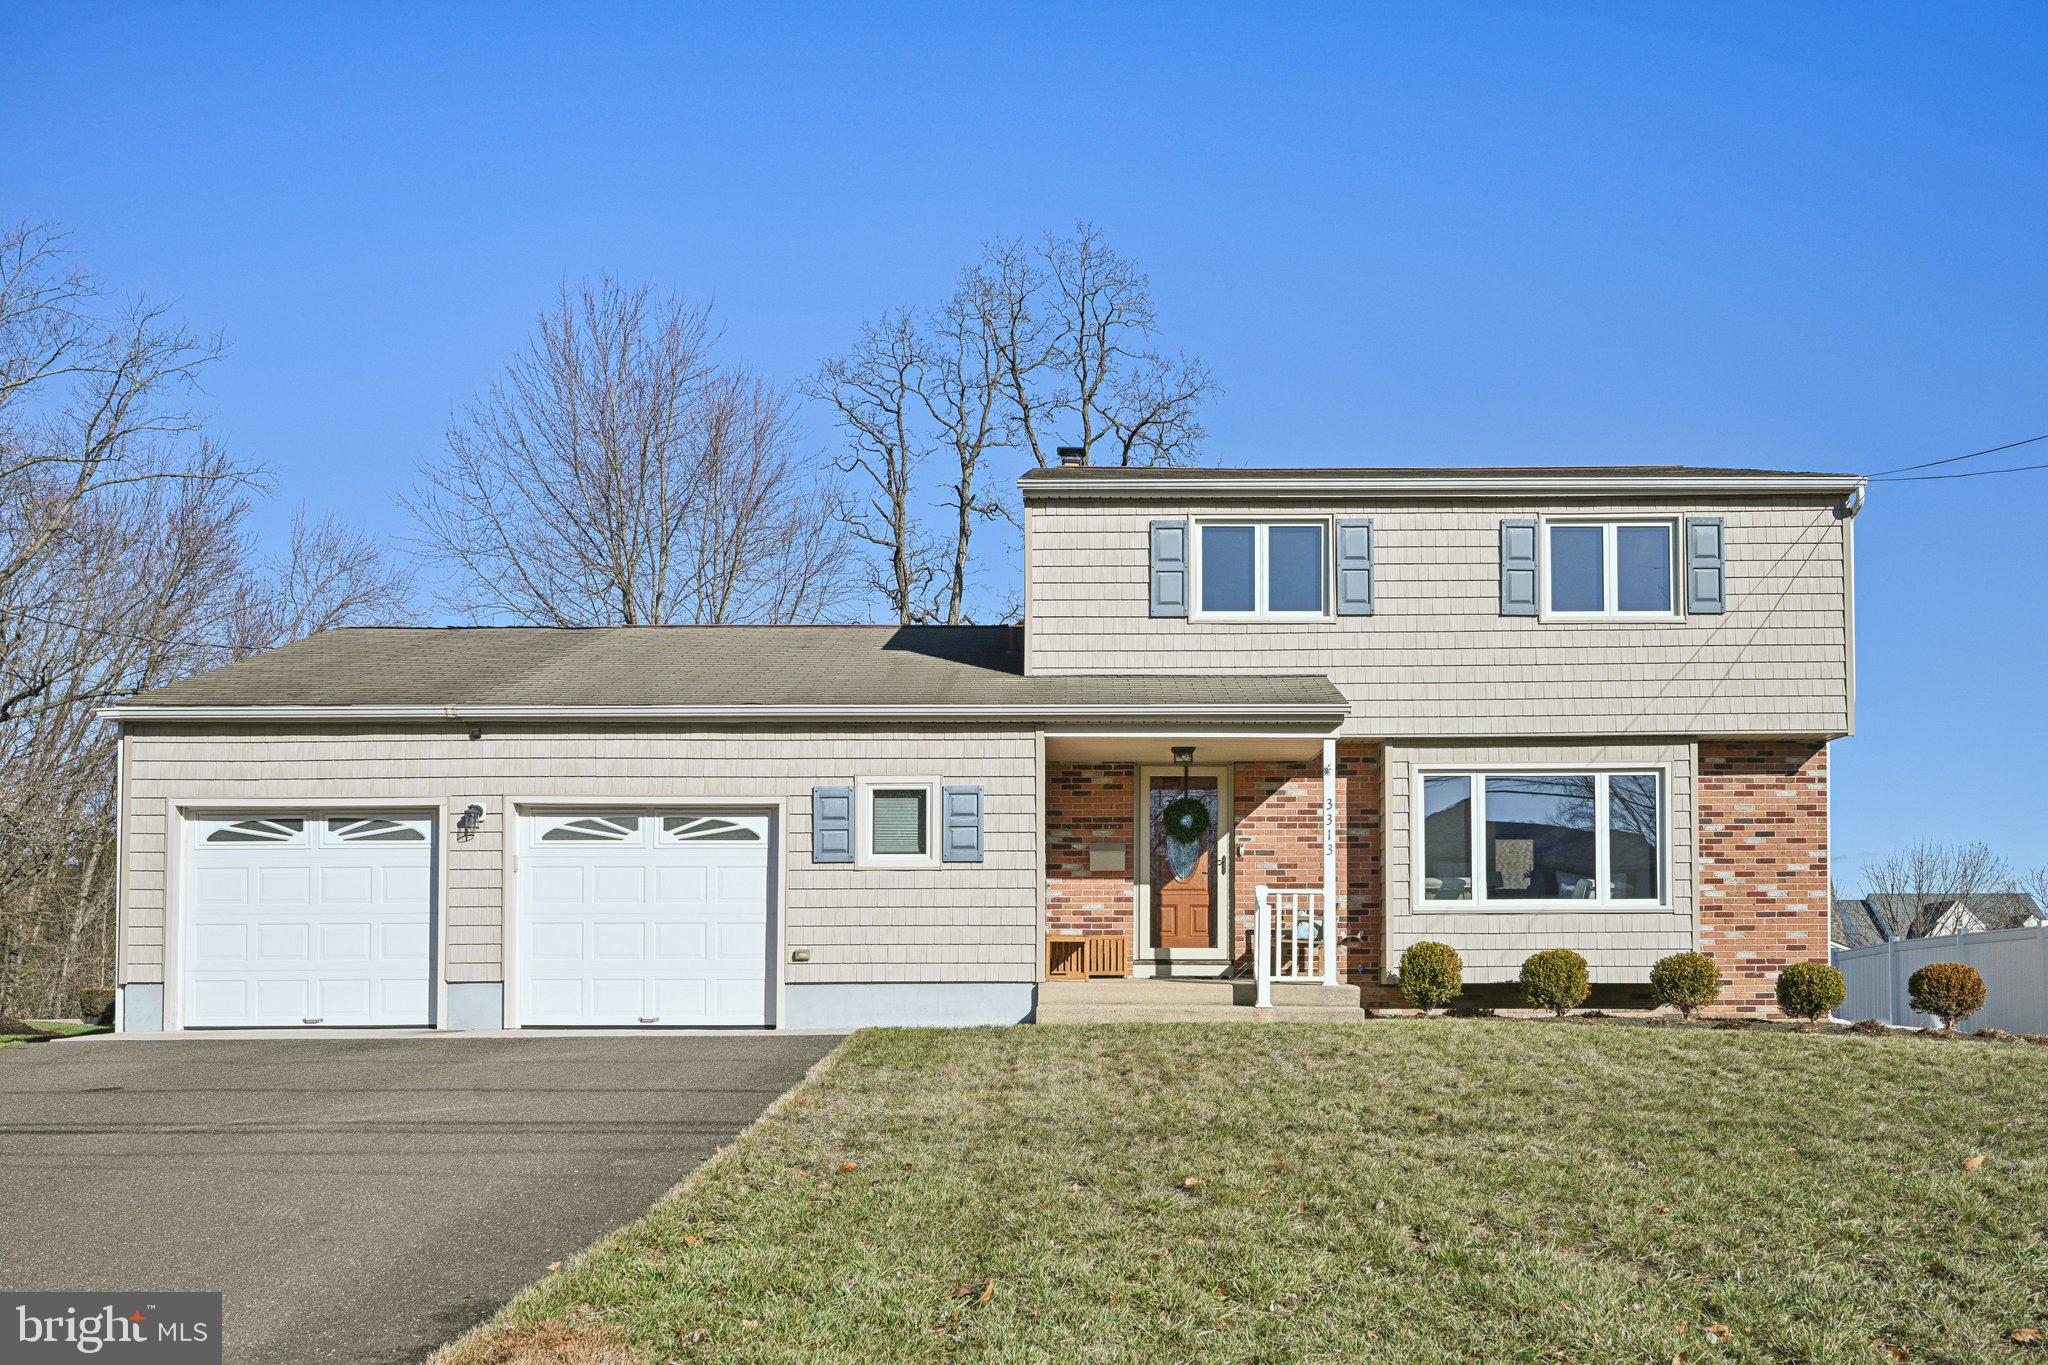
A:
(1072, 956)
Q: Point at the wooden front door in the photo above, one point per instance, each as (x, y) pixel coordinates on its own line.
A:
(1183, 906)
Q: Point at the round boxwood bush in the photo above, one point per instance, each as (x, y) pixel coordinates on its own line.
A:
(1555, 980)
(1950, 991)
(1811, 990)
(1432, 975)
(1686, 982)
(96, 1004)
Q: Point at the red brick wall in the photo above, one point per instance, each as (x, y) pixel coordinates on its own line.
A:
(1361, 862)
(1763, 863)
(1089, 803)
(1278, 808)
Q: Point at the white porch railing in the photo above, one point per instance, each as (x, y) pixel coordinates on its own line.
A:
(1294, 933)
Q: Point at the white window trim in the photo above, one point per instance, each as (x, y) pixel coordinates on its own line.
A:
(1260, 526)
(863, 822)
(1479, 903)
(1610, 569)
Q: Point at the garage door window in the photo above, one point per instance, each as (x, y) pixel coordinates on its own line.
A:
(259, 831)
(589, 829)
(713, 829)
(377, 830)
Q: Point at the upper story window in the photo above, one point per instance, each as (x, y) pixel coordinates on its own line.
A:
(1610, 569)
(1262, 569)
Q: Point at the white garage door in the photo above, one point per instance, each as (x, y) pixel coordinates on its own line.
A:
(631, 917)
(309, 919)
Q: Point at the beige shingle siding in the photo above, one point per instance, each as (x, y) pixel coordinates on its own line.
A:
(1438, 659)
(951, 922)
(1620, 945)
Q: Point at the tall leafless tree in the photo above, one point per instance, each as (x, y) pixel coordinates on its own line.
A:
(125, 563)
(616, 475)
(1040, 346)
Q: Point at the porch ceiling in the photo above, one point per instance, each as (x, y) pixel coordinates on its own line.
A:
(1211, 746)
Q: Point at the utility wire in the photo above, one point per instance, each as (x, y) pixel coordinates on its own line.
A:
(1966, 474)
(1957, 459)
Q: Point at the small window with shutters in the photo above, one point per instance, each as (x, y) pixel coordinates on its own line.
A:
(898, 820)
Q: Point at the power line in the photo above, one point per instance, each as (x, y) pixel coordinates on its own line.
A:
(1966, 474)
(1957, 459)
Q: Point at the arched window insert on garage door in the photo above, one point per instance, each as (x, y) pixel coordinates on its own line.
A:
(713, 829)
(281, 830)
(589, 829)
(376, 830)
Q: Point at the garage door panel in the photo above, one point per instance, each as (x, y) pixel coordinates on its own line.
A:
(284, 885)
(290, 922)
(671, 909)
(554, 883)
(616, 941)
(681, 940)
(284, 942)
(214, 944)
(683, 885)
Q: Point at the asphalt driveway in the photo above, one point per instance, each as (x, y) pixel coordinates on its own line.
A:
(356, 1199)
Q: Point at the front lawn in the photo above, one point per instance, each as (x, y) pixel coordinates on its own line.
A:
(1400, 1190)
(51, 1028)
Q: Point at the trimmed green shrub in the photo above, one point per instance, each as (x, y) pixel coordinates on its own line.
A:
(1950, 991)
(1432, 975)
(1811, 990)
(96, 1004)
(1556, 980)
(1686, 982)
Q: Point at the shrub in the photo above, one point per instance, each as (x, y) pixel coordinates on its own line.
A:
(1811, 990)
(1432, 975)
(1555, 980)
(1950, 991)
(1686, 982)
(96, 1004)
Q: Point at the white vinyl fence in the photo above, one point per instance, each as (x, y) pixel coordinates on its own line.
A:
(2013, 963)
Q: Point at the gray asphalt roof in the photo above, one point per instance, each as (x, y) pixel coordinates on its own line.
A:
(1369, 472)
(1865, 922)
(822, 666)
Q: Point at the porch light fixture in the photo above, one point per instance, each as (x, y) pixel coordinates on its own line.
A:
(470, 820)
(1184, 754)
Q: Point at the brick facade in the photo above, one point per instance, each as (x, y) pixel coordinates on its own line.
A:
(1088, 804)
(1277, 813)
(1763, 863)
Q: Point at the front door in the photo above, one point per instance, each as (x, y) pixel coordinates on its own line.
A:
(1183, 875)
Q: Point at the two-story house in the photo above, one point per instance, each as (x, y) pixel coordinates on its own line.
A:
(1270, 725)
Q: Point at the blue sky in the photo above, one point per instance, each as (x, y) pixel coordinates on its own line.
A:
(1801, 237)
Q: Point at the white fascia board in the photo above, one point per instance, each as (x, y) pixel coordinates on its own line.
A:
(728, 713)
(1195, 485)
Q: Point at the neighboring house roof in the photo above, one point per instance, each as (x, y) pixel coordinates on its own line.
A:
(1861, 923)
(700, 670)
(1458, 482)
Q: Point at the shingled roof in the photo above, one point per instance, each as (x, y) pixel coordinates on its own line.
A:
(782, 667)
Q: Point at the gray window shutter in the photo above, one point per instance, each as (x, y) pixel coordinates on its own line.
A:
(1518, 566)
(1169, 568)
(831, 824)
(1706, 566)
(1354, 568)
(961, 840)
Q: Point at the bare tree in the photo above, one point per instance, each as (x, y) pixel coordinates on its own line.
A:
(1038, 347)
(615, 475)
(328, 574)
(1916, 885)
(874, 391)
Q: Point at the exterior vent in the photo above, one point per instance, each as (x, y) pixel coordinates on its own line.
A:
(1073, 457)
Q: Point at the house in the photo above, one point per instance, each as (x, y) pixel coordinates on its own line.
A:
(1866, 921)
(1269, 724)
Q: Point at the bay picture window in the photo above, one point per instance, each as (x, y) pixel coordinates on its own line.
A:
(1262, 569)
(1536, 839)
(1611, 569)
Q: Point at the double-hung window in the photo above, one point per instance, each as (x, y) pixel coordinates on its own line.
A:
(1277, 569)
(1601, 569)
(1535, 839)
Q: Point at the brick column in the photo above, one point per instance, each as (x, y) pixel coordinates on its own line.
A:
(1763, 863)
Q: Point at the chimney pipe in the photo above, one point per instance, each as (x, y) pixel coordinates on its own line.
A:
(1073, 457)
